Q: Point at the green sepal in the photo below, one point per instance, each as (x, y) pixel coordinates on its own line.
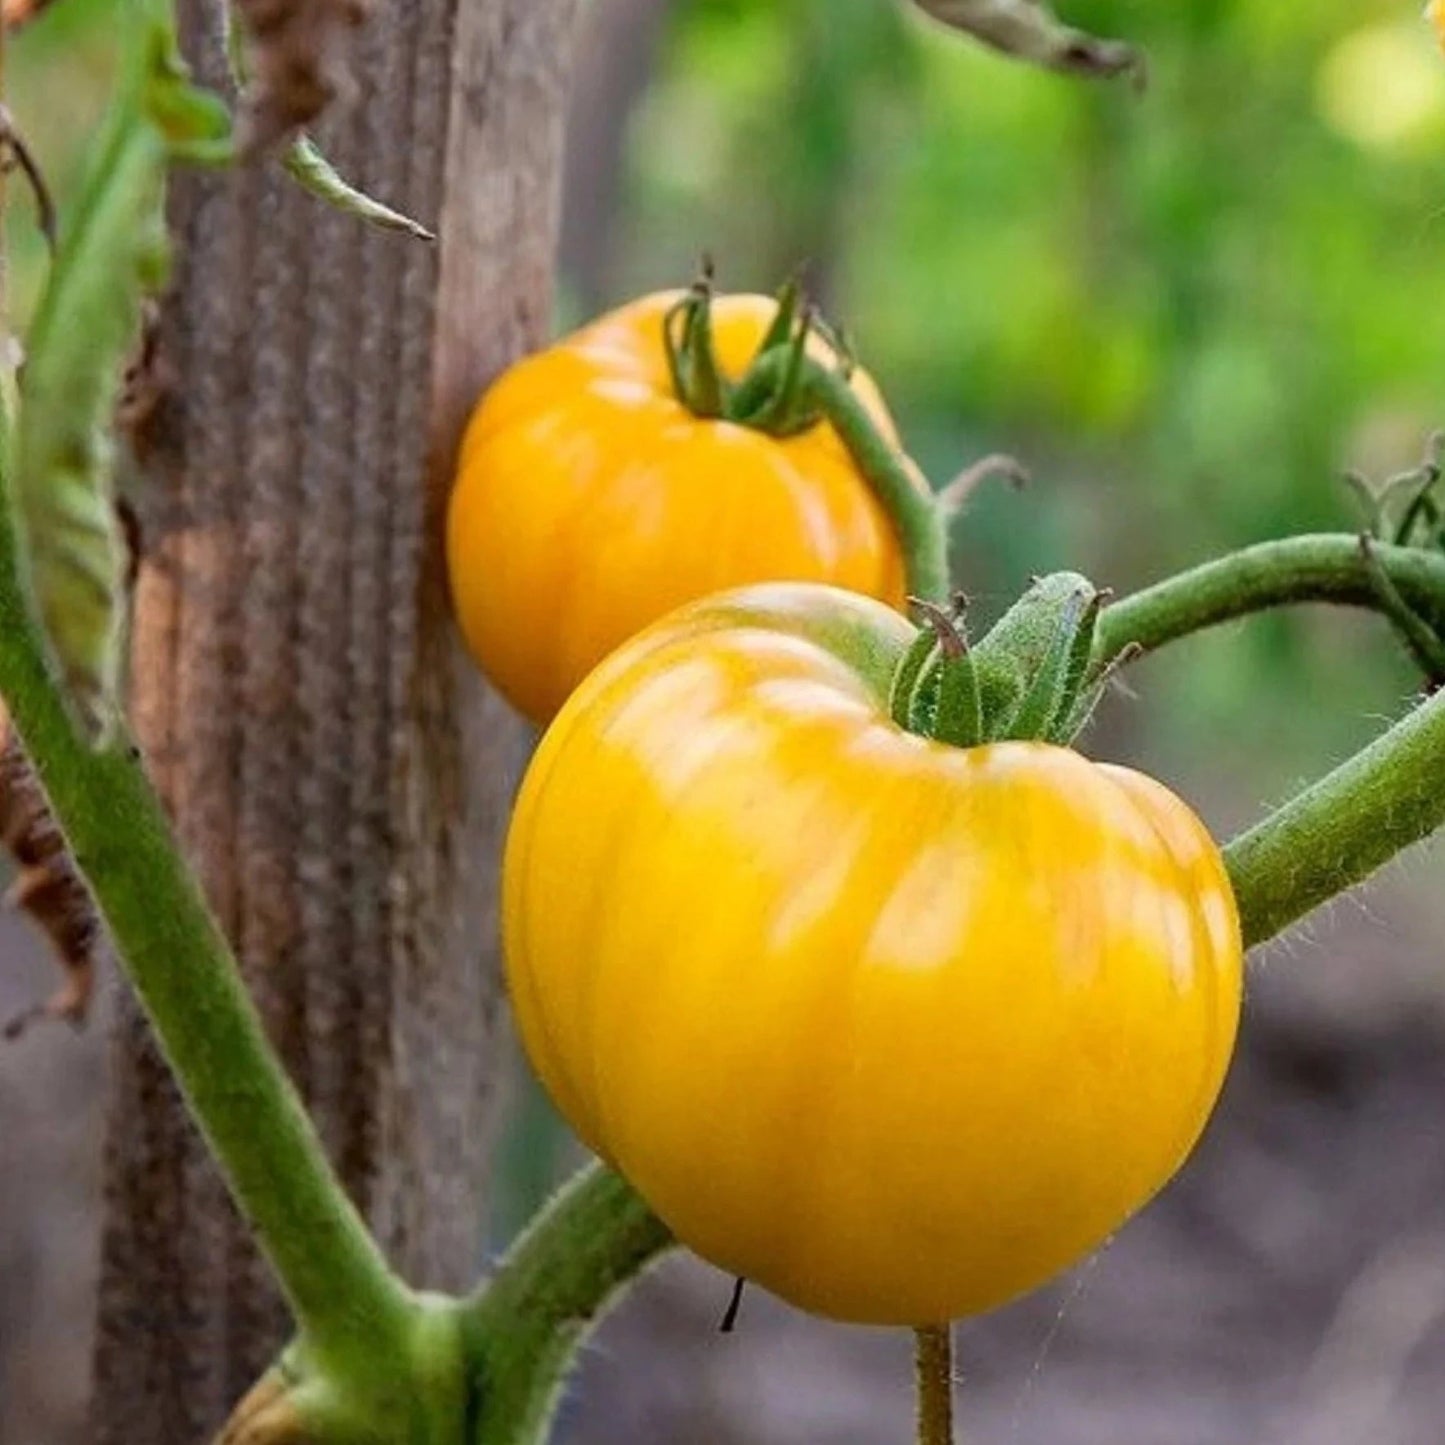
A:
(1027, 679)
(1421, 522)
(1054, 686)
(697, 377)
(923, 699)
(790, 302)
(1033, 664)
(906, 678)
(781, 408)
(958, 716)
(945, 702)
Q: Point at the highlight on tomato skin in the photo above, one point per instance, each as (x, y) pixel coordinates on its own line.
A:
(590, 500)
(894, 1029)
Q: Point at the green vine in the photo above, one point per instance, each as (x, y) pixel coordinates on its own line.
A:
(524, 1327)
(1338, 832)
(499, 1357)
(1322, 567)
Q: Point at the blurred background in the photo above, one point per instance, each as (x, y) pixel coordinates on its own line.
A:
(1188, 313)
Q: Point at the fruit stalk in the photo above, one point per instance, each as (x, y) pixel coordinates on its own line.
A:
(933, 1371)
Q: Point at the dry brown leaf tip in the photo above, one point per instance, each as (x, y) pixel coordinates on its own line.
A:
(47, 887)
(297, 54)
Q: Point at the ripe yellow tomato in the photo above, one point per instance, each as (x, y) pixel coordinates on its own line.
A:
(589, 501)
(895, 1029)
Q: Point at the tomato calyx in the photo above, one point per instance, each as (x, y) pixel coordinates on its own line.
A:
(786, 391)
(1028, 678)
(776, 394)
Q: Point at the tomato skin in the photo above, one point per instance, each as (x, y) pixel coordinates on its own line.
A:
(896, 1030)
(589, 502)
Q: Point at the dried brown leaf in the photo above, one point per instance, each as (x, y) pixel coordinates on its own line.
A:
(47, 887)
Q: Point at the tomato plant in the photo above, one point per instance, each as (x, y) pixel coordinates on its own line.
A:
(650, 459)
(818, 927)
(895, 1028)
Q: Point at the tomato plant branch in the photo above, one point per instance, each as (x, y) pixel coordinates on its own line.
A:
(524, 1327)
(919, 517)
(1338, 832)
(1321, 567)
(349, 1305)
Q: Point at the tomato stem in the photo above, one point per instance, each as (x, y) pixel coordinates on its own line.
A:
(786, 392)
(918, 518)
(1320, 567)
(523, 1329)
(1339, 831)
(933, 1373)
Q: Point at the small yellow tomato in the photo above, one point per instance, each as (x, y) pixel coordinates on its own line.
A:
(895, 1029)
(590, 501)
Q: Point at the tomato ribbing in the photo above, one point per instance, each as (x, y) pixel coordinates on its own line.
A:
(896, 1029)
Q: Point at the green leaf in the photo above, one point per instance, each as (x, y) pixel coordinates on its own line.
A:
(112, 253)
(316, 174)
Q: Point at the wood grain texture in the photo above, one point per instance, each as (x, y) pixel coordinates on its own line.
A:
(336, 773)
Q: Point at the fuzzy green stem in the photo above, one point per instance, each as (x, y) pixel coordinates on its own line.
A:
(525, 1325)
(1338, 832)
(1323, 567)
(933, 1372)
(348, 1304)
(919, 519)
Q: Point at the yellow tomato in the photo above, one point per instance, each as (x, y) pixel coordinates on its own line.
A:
(895, 1029)
(590, 501)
